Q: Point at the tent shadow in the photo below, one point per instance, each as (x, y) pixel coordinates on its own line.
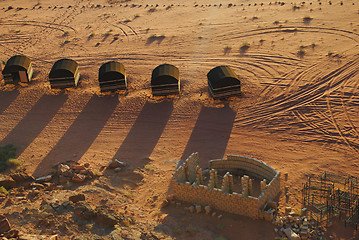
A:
(144, 134)
(6, 98)
(34, 122)
(81, 134)
(211, 134)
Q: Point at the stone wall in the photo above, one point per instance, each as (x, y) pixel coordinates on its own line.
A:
(187, 189)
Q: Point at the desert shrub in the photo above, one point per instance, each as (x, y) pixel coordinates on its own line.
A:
(6, 152)
(13, 163)
(3, 190)
(244, 47)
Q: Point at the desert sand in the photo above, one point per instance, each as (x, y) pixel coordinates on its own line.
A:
(298, 111)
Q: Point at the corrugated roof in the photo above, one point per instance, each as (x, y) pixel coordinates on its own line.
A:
(17, 63)
(63, 65)
(165, 73)
(222, 76)
(111, 67)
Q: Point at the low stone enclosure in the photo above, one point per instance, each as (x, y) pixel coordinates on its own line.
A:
(188, 183)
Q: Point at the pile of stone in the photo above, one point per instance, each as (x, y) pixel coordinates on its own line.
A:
(71, 172)
(294, 226)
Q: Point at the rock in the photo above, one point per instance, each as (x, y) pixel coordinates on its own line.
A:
(77, 198)
(220, 216)
(198, 208)
(44, 178)
(7, 182)
(84, 210)
(20, 177)
(116, 164)
(291, 234)
(55, 205)
(62, 169)
(207, 209)
(37, 186)
(78, 178)
(78, 167)
(118, 169)
(104, 218)
(4, 224)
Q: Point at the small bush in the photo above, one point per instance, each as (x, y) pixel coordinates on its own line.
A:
(3, 190)
(13, 163)
(244, 47)
(6, 152)
(307, 19)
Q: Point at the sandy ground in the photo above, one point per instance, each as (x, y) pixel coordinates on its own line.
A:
(298, 111)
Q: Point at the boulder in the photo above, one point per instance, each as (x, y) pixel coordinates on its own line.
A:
(84, 210)
(7, 182)
(20, 177)
(77, 198)
(104, 218)
(4, 224)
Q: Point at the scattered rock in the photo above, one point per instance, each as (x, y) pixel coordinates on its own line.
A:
(77, 198)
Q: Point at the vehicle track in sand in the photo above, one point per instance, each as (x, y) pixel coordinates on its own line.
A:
(315, 102)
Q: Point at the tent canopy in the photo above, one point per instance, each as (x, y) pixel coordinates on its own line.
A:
(222, 76)
(17, 63)
(63, 68)
(111, 71)
(165, 74)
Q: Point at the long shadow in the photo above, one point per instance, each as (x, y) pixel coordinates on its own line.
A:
(34, 121)
(6, 99)
(211, 134)
(81, 134)
(145, 133)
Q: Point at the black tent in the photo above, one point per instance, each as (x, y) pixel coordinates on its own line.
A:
(18, 69)
(165, 80)
(223, 82)
(112, 76)
(65, 73)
